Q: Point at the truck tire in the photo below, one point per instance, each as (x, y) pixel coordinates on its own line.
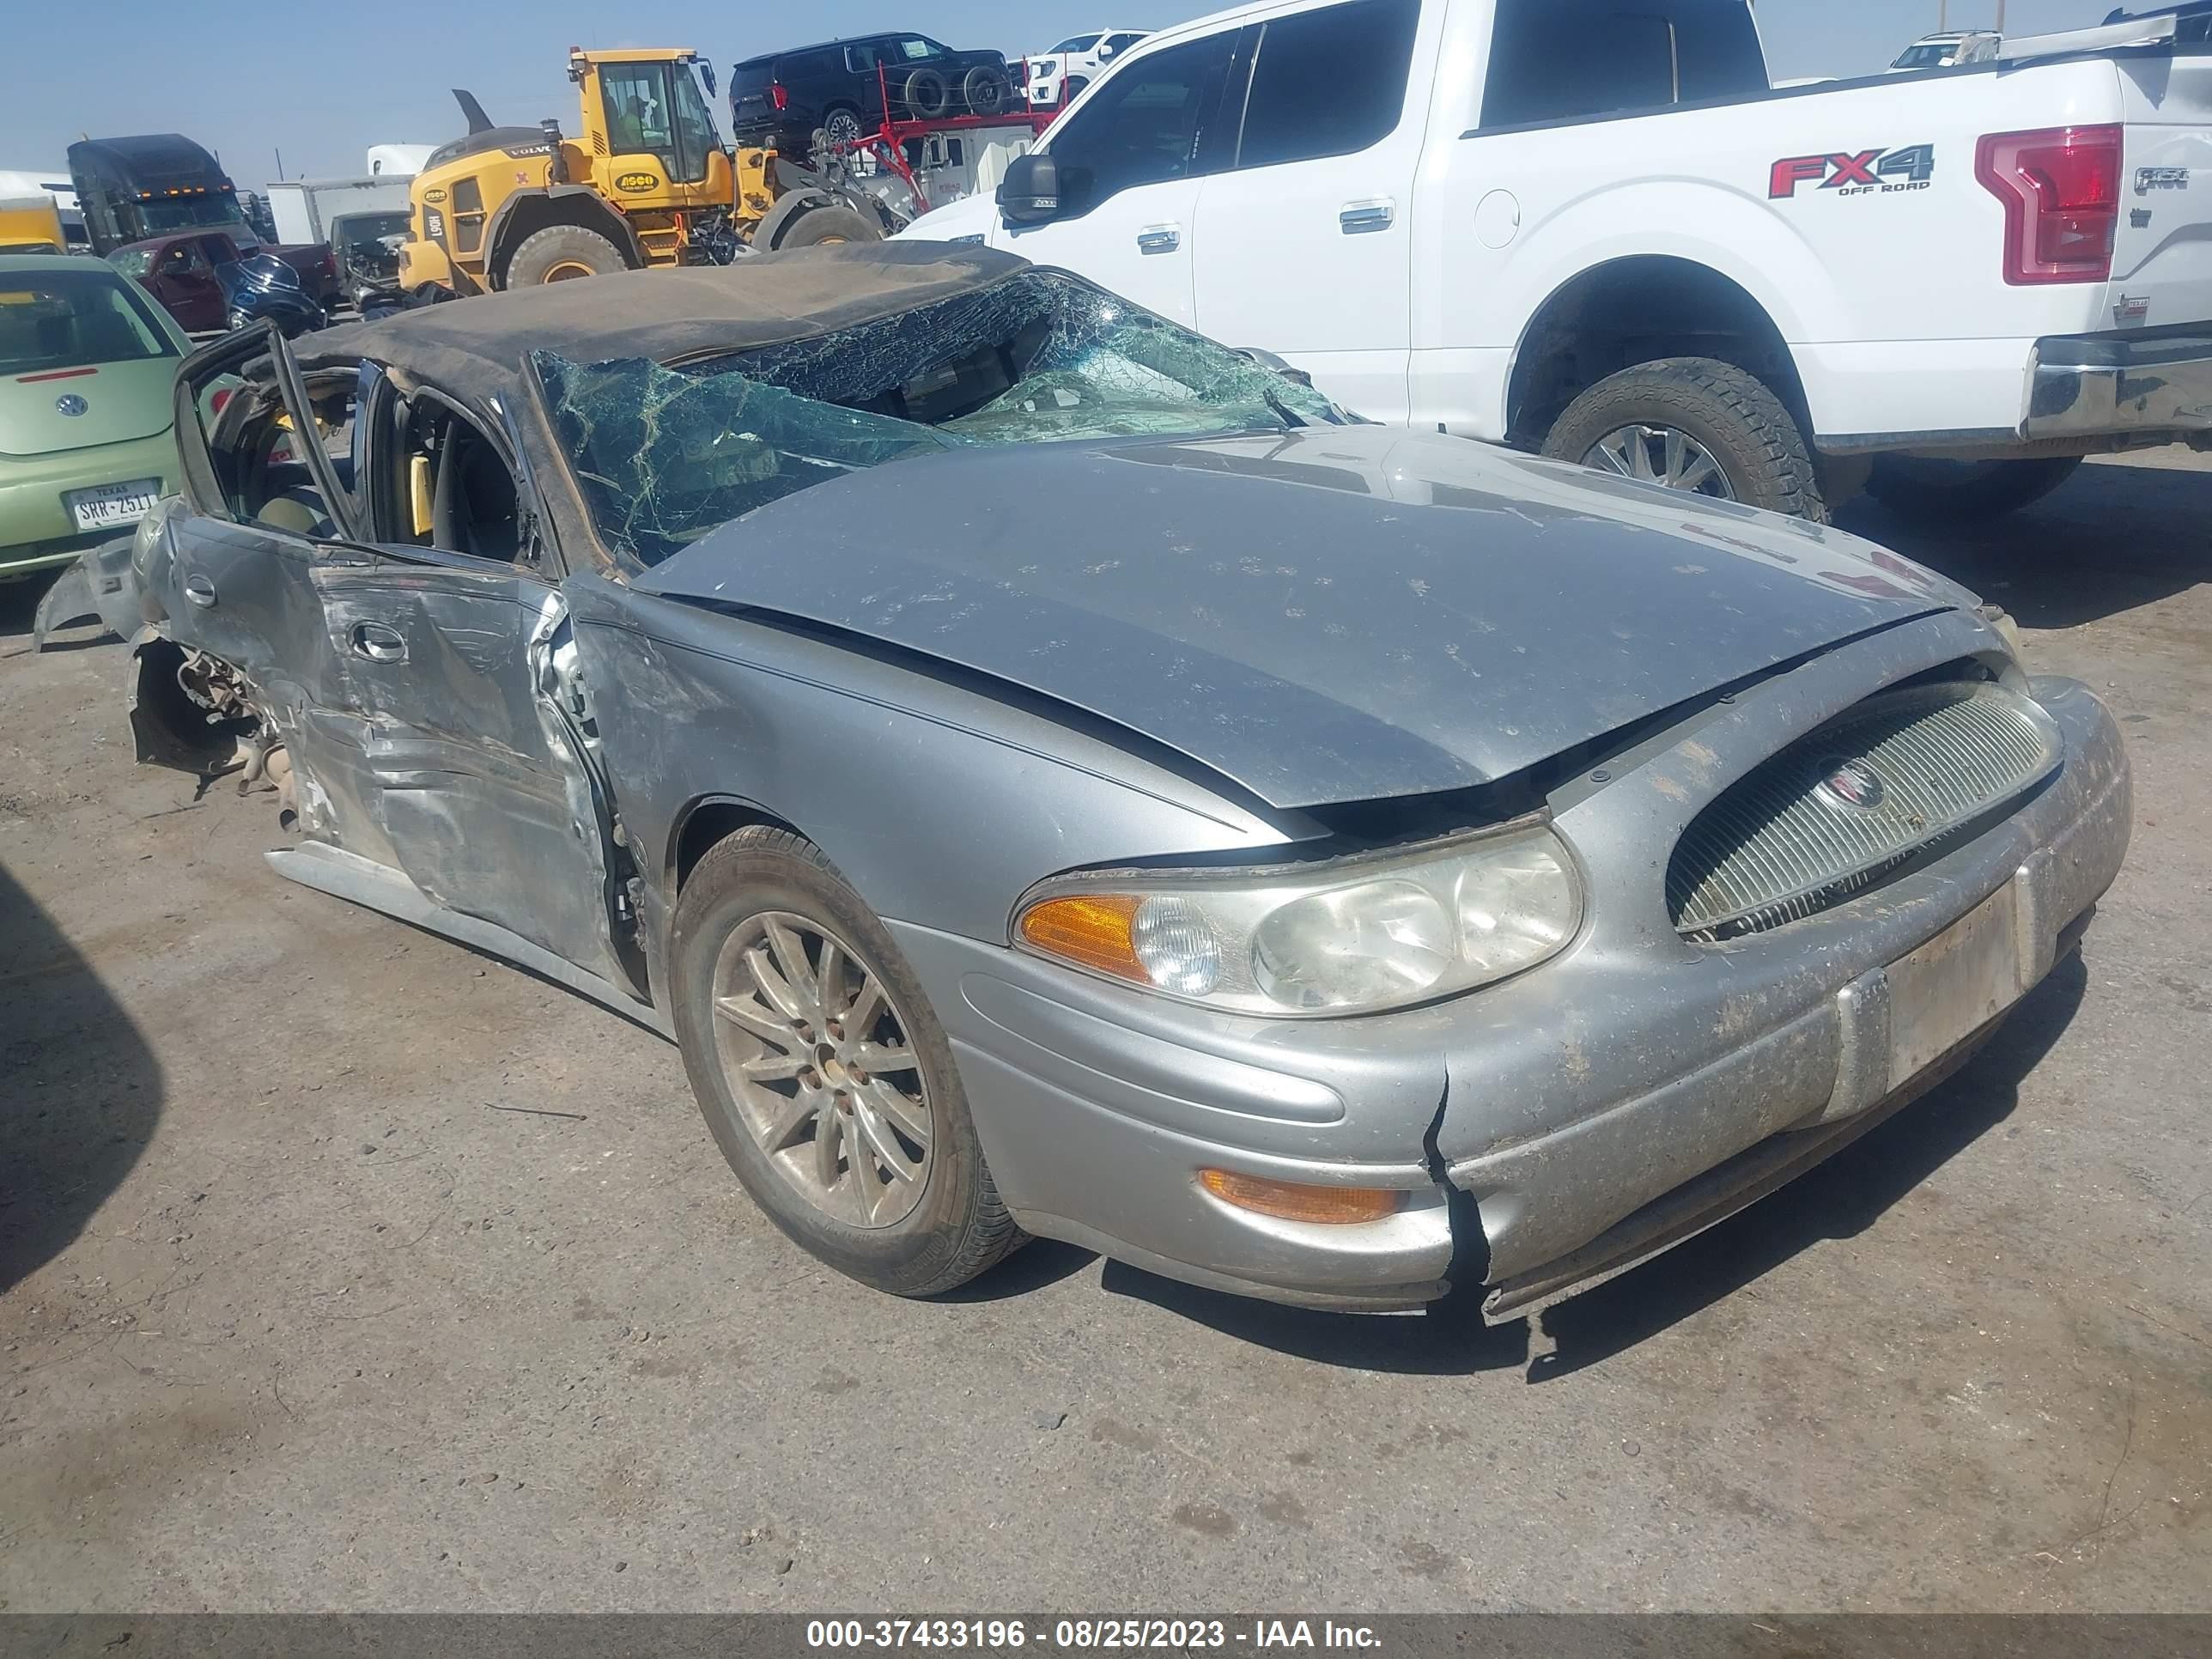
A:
(1933, 491)
(824, 1072)
(820, 225)
(561, 253)
(1736, 441)
(841, 125)
(985, 90)
(927, 95)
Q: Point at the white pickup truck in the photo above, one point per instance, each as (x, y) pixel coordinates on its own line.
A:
(1593, 228)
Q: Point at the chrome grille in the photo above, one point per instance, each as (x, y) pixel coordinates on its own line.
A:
(1844, 806)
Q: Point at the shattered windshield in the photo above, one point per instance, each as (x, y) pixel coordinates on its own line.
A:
(663, 455)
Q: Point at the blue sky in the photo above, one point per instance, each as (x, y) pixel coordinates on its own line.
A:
(322, 79)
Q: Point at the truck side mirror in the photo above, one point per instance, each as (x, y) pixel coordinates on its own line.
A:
(1030, 193)
(707, 74)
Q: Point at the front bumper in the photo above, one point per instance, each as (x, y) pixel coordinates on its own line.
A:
(2089, 385)
(36, 530)
(1549, 1128)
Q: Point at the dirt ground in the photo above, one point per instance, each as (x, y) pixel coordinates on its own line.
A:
(342, 1268)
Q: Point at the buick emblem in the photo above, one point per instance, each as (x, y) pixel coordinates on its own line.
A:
(69, 404)
(1852, 783)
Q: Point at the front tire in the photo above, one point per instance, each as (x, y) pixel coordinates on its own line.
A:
(824, 1074)
(561, 253)
(1695, 424)
(818, 226)
(1933, 491)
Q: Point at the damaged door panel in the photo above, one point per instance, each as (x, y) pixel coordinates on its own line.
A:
(457, 673)
(455, 676)
(244, 674)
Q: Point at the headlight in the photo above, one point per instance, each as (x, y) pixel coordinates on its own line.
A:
(1348, 936)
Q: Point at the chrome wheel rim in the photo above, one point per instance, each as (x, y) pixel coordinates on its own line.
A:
(822, 1069)
(1662, 455)
(843, 127)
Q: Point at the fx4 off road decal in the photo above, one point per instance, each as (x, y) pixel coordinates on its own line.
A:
(1907, 167)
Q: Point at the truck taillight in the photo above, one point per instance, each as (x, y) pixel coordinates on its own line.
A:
(779, 97)
(2060, 190)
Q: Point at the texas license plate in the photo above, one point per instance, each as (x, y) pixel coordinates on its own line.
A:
(112, 506)
(1953, 985)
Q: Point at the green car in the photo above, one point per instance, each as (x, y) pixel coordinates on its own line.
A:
(88, 360)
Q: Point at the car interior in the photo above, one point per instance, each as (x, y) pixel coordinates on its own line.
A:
(265, 478)
(447, 487)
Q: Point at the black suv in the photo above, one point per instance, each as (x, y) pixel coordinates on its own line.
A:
(842, 88)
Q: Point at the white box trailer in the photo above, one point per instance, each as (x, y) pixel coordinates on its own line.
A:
(303, 208)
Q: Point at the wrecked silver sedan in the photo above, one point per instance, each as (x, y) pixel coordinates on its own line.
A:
(1053, 774)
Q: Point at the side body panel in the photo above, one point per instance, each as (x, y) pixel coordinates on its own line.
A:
(1138, 243)
(1344, 224)
(695, 706)
(1851, 214)
(469, 766)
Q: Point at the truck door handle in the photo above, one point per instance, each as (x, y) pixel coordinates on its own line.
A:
(1159, 239)
(1357, 218)
(201, 592)
(378, 643)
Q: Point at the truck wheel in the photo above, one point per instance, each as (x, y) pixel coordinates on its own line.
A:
(561, 253)
(841, 125)
(824, 1074)
(986, 91)
(1944, 492)
(927, 95)
(822, 225)
(1695, 424)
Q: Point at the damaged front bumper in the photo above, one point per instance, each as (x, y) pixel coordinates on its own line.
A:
(99, 586)
(1551, 1127)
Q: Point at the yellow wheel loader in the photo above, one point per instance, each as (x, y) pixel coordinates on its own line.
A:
(645, 181)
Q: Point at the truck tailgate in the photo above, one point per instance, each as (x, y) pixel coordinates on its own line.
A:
(2162, 247)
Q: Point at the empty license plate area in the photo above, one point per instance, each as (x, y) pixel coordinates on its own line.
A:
(1953, 985)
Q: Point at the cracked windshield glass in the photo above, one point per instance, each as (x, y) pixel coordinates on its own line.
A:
(664, 455)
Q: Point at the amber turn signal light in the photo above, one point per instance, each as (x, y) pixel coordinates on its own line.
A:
(1293, 1201)
(1093, 930)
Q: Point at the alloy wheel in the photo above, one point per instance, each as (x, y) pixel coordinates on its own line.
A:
(819, 1062)
(1662, 455)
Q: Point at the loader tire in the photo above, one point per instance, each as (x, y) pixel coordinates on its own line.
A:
(561, 253)
(821, 225)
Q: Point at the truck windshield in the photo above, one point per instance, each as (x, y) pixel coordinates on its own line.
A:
(194, 213)
(1077, 43)
(68, 318)
(1929, 55)
(662, 456)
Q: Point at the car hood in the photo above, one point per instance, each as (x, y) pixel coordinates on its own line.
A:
(121, 402)
(1334, 614)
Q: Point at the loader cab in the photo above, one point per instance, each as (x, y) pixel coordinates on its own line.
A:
(641, 179)
(648, 128)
